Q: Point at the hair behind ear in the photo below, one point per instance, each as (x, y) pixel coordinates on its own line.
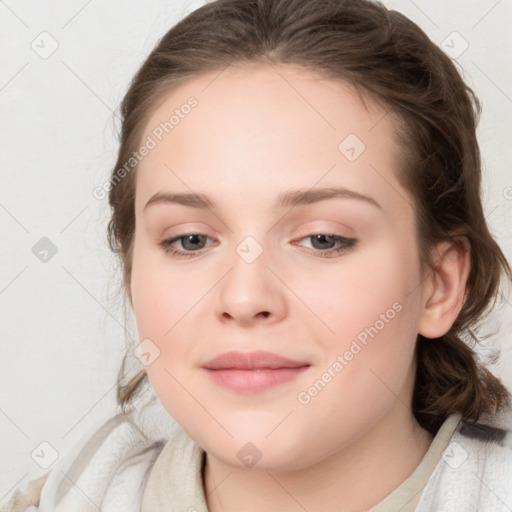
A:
(450, 379)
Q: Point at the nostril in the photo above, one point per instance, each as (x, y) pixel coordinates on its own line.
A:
(229, 316)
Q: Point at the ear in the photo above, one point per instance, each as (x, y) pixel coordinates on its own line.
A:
(445, 288)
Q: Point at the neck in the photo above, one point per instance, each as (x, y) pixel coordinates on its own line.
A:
(353, 479)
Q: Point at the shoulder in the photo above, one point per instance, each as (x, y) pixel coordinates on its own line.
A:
(475, 469)
(488, 443)
(108, 467)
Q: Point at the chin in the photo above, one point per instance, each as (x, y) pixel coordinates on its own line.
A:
(255, 451)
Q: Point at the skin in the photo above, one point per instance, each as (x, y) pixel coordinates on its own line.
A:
(257, 131)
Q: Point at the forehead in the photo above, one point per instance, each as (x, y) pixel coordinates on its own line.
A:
(280, 123)
(299, 93)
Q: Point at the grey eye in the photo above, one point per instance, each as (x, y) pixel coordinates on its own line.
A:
(324, 241)
(191, 242)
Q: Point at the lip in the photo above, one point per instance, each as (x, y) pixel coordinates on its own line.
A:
(253, 371)
(258, 359)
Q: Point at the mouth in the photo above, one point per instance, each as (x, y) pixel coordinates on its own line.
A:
(253, 371)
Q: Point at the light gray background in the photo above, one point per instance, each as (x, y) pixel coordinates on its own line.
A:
(62, 332)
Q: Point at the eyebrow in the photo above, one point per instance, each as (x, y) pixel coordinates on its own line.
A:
(289, 198)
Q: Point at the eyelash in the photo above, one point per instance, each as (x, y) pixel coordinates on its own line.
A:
(348, 244)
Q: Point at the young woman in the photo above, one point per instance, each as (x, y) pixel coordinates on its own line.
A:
(296, 207)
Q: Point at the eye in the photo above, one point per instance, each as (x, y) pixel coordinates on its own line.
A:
(192, 244)
(328, 245)
(323, 244)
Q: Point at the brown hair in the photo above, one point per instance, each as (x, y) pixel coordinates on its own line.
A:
(384, 56)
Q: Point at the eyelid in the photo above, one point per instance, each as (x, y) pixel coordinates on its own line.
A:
(333, 229)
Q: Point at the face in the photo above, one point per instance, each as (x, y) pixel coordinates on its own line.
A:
(299, 256)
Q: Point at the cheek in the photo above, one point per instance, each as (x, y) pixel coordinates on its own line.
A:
(367, 289)
(372, 310)
(166, 304)
(158, 320)
(162, 294)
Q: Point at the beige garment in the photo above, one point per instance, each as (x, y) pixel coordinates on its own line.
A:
(29, 500)
(406, 496)
(175, 482)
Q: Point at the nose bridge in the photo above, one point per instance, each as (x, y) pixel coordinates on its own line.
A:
(250, 290)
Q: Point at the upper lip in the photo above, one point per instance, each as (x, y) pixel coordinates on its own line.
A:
(250, 361)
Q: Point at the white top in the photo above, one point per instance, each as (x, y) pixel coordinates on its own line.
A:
(144, 462)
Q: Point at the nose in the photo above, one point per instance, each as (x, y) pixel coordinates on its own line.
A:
(250, 293)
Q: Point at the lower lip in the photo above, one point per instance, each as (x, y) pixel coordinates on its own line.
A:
(254, 380)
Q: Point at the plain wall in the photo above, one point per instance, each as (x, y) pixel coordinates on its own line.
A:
(62, 329)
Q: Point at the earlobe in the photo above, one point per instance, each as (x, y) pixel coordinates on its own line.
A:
(445, 290)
